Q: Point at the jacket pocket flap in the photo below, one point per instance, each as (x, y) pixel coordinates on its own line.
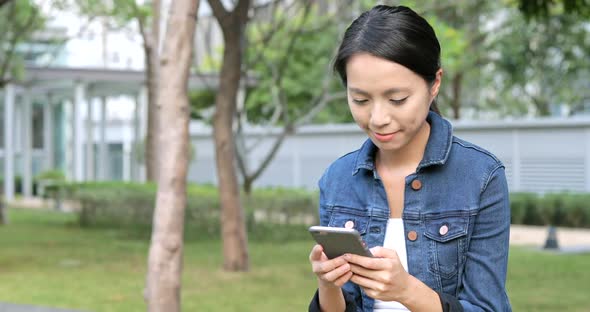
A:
(446, 228)
(349, 218)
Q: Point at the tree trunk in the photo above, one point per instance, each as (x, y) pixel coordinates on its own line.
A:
(456, 101)
(151, 47)
(3, 217)
(247, 185)
(235, 244)
(166, 249)
(233, 226)
(543, 108)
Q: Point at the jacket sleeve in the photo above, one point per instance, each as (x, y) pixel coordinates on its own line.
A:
(483, 283)
(449, 303)
(314, 305)
(350, 291)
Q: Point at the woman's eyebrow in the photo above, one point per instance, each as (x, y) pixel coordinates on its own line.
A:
(395, 90)
(386, 92)
(359, 91)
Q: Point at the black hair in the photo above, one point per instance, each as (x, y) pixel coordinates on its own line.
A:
(394, 33)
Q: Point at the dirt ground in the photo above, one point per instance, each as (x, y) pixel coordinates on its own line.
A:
(536, 236)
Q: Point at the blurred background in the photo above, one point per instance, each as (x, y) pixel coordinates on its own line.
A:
(79, 155)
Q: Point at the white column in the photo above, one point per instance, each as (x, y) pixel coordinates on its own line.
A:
(103, 147)
(126, 154)
(68, 108)
(89, 142)
(9, 95)
(48, 133)
(143, 111)
(136, 141)
(27, 132)
(78, 147)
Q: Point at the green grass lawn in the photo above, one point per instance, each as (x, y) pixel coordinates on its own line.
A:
(45, 259)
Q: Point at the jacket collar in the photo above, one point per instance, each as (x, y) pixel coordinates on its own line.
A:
(437, 150)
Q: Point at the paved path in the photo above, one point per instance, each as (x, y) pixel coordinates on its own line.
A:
(536, 236)
(7, 307)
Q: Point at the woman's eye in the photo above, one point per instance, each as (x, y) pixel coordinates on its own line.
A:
(358, 101)
(400, 101)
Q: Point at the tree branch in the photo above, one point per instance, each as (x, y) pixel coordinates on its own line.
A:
(240, 148)
(288, 129)
(18, 34)
(219, 11)
(321, 104)
(294, 37)
(3, 2)
(242, 11)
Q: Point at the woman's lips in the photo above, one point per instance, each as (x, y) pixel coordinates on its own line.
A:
(384, 137)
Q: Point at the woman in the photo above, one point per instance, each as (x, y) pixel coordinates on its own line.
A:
(433, 208)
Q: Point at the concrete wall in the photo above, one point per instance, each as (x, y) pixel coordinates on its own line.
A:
(540, 155)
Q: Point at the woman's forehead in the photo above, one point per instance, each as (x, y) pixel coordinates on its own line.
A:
(369, 73)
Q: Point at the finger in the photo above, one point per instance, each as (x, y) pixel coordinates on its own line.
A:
(366, 282)
(330, 265)
(316, 253)
(381, 252)
(343, 279)
(364, 272)
(367, 262)
(336, 273)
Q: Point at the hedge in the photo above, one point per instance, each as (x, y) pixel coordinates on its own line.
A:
(558, 209)
(120, 204)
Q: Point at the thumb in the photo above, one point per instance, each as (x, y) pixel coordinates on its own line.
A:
(381, 252)
(317, 253)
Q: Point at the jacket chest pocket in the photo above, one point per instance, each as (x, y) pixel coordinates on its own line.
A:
(350, 218)
(447, 237)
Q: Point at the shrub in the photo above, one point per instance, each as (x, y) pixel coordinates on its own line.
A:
(558, 209)
(274, 213)
(270, 213)
(578, 210)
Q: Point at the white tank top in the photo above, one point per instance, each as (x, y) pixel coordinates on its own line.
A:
(394, 239)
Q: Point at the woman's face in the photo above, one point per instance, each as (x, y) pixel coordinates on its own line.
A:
(387, 100)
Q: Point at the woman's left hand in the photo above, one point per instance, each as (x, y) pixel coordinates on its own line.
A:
(382, 277)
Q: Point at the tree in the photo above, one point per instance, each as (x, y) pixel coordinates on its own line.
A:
(18, 21)
(147, 16)
(544, 8)
(291, 54)
(151, 40)
(460, 31)
(3, 2)
(166, 249)
(541, 63)
(233, 227)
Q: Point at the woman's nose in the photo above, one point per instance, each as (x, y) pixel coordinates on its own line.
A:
(380, 116)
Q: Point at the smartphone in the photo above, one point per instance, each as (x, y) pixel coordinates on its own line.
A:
(337, 241)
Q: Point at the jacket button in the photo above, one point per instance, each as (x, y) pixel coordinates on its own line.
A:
(416, 184)
(443, 230)
(412, 235)
(349, 224)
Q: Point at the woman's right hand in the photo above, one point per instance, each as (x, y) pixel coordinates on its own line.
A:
(331, 273)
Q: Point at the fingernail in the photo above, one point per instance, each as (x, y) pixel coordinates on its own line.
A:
(347, 256)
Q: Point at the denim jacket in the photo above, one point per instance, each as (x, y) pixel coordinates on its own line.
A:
(456, 217)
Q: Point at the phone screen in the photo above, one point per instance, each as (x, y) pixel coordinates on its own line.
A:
(338, 241)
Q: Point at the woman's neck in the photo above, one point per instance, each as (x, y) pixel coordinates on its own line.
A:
(409, 156)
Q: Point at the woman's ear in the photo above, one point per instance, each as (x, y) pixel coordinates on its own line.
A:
(436, 84)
